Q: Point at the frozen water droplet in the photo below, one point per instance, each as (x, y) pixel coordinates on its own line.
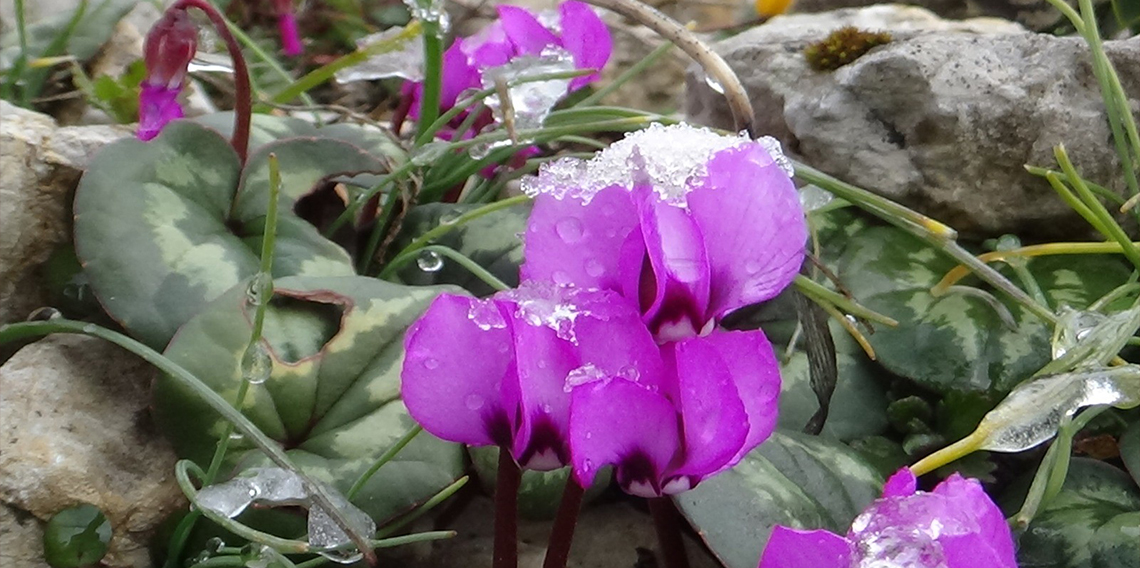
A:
(595, 268)
(325, 533)
(429, 11)
(776, 152)
(714, 84)
(214, 545)
(486, 315)
(1072, 327)
(431, 364)
(569, 230)
(429, 261)
(674, 159)
(405, 59)
(227, 499)
(630, 373)
(90, 328)
(585, 374)
(256, 364)
(530, 102)
(813, 197)
(236, 436)
(44, 314)
(473, 402)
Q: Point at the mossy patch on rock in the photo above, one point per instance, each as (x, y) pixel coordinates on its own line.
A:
(843, 46)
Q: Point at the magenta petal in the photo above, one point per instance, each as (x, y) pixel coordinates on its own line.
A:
(543, 361)
(792, 548)
(618, 422)
(458, 75)
(675, 246)
(290, 39)
(157, 106)
(526, 32)
(713, 419)
(489, 48)
(586, 37)
(993, 531)
(901, 484)
(450, 383)
(756, 375)
(571, 242)
(753, 227)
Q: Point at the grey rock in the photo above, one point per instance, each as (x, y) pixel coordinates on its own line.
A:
(75, 428)
(41, 165)
(1035, 14)
(942, 119)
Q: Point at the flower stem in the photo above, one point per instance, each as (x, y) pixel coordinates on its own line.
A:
(562, 533)
(243, 94)
(506, 553)
(433, 78)
(667, 522)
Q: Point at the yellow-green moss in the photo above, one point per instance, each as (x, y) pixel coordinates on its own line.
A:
(843, 46)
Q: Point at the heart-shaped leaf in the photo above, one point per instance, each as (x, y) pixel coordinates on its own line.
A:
(159, 232)
(957, 341)
(1094, 522)
(793, 480)
(332, 399)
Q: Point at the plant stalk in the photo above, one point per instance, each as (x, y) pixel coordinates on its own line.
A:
(562, 533)
(243, 93)
(506, 554)
(668, 524)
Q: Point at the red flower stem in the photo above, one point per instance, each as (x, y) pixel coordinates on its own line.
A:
(562, 533)
(506, 554)
(243, 94)
(667, 522)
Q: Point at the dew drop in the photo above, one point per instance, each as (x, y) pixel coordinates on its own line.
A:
(753, 266)
(429, 261)
(256, 365)
(214, 545)
(714, 84)
(259, 287)
(473, 402)
(595, 268)
(90, 328)
(569, 230)
(431, 364)
(504, 349)
(560, 277)
(236, 436)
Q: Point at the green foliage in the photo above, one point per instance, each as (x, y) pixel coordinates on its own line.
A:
(1094, 522)
(116, 96)
(165, 226)
(491, 241)
(332, 398)
(957, 341)
(76, 537)
(843, 46)
(794, 480)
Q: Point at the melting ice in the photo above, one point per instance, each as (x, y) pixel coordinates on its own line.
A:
(406, 61)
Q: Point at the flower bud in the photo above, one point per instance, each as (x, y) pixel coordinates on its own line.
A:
(170, 46)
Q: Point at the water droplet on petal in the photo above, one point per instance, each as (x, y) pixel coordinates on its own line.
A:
(429, 261)
(569, 230)
(504, 348)
(753, 266)
(560, 277)
(595, 268)
(431, 364)
(473, 402)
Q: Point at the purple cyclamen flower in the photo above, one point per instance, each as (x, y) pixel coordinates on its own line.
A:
(517, 32)
(665, 433)
(287, 27)
(170, 45)
(954, 526)
(689, 224)
(499, 371)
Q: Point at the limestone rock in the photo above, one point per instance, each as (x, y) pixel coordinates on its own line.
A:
(1034, 14)
(41, 165)
(942, 119)
(75, 428)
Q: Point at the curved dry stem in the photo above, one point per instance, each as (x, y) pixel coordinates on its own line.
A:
(713, 64)
(961, 271)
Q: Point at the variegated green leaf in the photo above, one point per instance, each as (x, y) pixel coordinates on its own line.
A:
(159, 233)
(1094, 522)
(332, 398)
(957, 341)
(793, 480)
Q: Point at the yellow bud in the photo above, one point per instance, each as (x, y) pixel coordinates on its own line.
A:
(769, 8)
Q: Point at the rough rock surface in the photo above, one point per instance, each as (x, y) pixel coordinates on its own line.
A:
(41, 165)
(1034, 14)
(942, 119)
(75, 428)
